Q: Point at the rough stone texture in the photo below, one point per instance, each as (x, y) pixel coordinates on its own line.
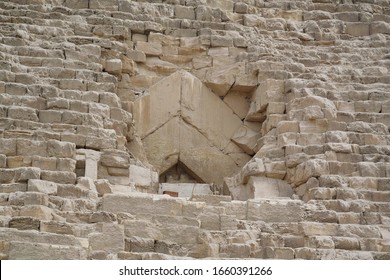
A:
(194, 129)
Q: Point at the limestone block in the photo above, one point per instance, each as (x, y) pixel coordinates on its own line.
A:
(358, 29)
(218, 51)
(139, 244)
(61, 149)
(115, 158)
(269, 187)
(35, 185)
(238, 102)
(110, 99)
(364, 231)
(50, 116)
(18, 161)
(225, 5)
(102, 110)
(152, 49)
(287, 126)
(70, 191)
(221, 41)
(23, 113)
(201, 158)
(369, 169)
(201, 62)
(61, 177)
(275, 211)
(186, 189)
(199, 106)
(253, 20)
(8, 147)
(162, 146)
(143, 178)
(310, 168)
(40, 212)
(77, 4)
(113, 66)
(129, 66)
(23, 174)
(318, 229)
(220, 81)
(133, 204)
(28, 198)
(168, 206)
(321, 242)
(346, 243)
(6, 175)
(30, 147)
(314, 126)
(255, 167)
(104, 5)
(3, 161)
(380, 27)
(183, 12)
(39, 251)
(246, 139)
(121, 115)
(44, 163)
(268, 91)
(163, 103)
(136, 55)
(287, 139)
(103, 187)
(24, 223)
(110, 240)
(192, 209)
(98, 143)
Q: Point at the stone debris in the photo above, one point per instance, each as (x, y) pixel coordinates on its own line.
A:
(194, 129)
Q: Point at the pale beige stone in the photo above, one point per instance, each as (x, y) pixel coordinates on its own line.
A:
(246, 139)
(199, 105)
(269, 187)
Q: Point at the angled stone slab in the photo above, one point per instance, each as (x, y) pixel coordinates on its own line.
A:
(162, 146)
(163, 103)
(208, 113)
(204, 159)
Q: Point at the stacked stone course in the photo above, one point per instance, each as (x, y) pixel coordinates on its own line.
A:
(266, 121)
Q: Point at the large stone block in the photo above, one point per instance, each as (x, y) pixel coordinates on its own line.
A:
(163, 103)
(104, 5)
(203, 159)
(275, 211)
(42, 186)
(28, 198)
(151, 49)
(186, 189)
(143, 178)
(43, 213)
(162, 147)
(61, 149)
(110, 239)
(39, 251)
(200, 105)
(268, 187)
(133, 204)
(8, 147)
(31, 147)
(22, 113)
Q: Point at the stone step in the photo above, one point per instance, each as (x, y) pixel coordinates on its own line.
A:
(348, 194)
(357, 206)
(339, 254)
(19, 250)
(149, 256)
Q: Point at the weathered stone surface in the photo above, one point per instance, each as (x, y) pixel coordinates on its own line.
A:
(110, 239)
(266, 122)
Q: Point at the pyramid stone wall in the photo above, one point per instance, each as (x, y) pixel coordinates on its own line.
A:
(185, 129)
